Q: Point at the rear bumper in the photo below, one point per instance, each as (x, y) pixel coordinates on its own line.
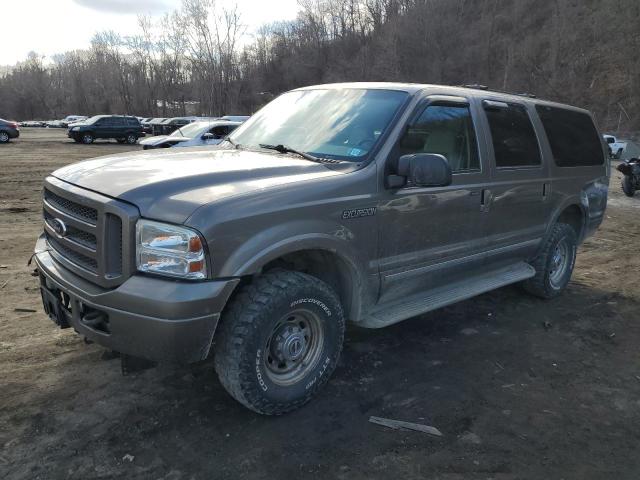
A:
(147, 317)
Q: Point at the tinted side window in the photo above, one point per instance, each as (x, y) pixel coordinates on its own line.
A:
(514, 139)
(219, 132)
(117, 121)
(132, 121)
(446, 130)
(573, 137)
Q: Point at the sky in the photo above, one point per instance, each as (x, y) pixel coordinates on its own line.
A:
(55, 26)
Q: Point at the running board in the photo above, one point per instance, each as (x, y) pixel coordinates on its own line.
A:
(443, 296)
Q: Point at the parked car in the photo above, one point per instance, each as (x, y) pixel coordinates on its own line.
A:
(119, 127)
(69, 119)
(615, 146)
(193, 134)
(32, 123)
(146, 125)
(55, 124)
(8, 130)
(155, 126)
(369, 203)
(172, 124)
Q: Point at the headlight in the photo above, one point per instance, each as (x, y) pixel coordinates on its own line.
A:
(169, 250)
(75, 129)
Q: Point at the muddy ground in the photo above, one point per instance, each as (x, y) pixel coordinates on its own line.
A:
(520, 387)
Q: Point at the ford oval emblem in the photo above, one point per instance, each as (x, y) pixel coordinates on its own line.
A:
(59, 227)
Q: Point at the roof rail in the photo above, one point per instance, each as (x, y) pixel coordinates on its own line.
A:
(476, 86)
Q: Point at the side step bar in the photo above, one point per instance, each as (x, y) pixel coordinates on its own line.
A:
(441, 297)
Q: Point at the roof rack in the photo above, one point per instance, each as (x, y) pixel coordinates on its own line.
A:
(477, 86)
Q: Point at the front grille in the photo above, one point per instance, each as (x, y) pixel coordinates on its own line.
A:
(97, 241)
(75, 257)
(74, 234)
(74, 209)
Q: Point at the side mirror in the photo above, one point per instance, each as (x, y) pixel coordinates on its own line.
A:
(424, 170)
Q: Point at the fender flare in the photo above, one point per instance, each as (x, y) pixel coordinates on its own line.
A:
(355, 268)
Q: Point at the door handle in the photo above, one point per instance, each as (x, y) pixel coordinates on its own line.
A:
(546, 190)
(485, 200)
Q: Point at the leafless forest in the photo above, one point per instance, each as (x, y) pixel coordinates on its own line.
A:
(198, 59)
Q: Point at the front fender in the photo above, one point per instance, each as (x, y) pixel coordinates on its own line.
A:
(260, 249)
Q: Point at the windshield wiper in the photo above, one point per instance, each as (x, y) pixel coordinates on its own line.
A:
(236, 145)
(307, 156)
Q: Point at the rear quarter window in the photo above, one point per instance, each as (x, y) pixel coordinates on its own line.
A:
(514, 139)
(573, 137)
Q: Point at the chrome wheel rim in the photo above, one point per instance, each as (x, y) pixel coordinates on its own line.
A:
(4, 137)
(559, 264)
(294, 347)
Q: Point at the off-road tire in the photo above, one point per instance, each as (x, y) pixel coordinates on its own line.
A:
(4, 137)
(87, 138)
(131, 139)
(540, 285)
(627, 186)
(248, 322)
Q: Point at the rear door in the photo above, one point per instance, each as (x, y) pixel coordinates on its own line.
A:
(517, 205)
(430, 236)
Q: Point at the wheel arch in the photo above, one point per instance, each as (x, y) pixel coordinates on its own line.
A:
(574, 214)
(322, 256)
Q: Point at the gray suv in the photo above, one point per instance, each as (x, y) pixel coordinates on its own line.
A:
(368, 203)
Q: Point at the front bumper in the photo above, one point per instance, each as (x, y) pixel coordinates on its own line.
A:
(153, 318)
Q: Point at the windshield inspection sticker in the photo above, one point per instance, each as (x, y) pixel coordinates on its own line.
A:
(359, 212)
(355, 152)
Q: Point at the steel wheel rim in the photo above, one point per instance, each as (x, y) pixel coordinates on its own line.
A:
(559, 263)
(4, 136)
(294, 347)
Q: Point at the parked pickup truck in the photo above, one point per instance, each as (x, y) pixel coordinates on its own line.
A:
(368, 203)
(616, 147)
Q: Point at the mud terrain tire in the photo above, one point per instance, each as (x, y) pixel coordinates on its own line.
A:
(554, 263)
(278, 341)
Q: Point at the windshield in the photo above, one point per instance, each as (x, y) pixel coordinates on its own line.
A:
(190, 130)
(343, 124)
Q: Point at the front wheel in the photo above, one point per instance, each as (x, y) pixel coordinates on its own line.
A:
(132, 139)
(87, 138)
(627, 186)
(4, 137)
(554, 263)
(279, 341)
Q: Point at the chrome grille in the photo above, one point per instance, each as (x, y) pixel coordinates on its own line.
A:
(97, 240)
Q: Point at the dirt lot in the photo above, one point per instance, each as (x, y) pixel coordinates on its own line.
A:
(520, 388)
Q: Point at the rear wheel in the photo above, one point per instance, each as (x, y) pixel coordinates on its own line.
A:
(554, 264)
(627, 186)
(4, 137)
(279, 341)
(87, 138)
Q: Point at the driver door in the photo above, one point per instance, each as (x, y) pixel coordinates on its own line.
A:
(429, 235)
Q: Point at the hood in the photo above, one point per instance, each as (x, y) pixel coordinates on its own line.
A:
(153, 140)
(171, 184)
